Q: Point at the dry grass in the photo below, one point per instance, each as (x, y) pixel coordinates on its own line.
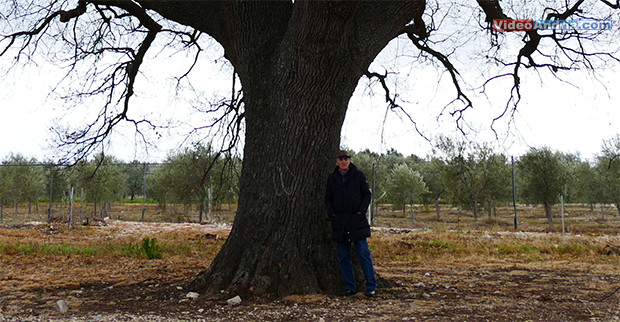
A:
(450, 240)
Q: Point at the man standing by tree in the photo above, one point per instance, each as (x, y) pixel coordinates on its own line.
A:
(346, 200)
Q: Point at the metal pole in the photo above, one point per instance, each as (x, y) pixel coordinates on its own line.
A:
(70, 208)
(210, 215)
(373, 195)
(514, 190)
(143, 191)
(562, 203)
(49, 211)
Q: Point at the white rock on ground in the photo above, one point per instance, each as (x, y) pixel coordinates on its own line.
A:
(62, 306)
(234, 301)
(192, 295)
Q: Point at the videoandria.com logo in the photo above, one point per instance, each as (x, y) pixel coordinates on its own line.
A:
(532, 24)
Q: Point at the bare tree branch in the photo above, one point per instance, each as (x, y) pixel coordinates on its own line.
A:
(564, 42)
(419, 43)
(612, 5)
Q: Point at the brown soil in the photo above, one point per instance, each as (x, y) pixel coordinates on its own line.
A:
(429, 273)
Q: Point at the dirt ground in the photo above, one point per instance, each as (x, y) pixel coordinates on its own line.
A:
(456, 273)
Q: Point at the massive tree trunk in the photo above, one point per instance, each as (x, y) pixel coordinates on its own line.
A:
(299, 65)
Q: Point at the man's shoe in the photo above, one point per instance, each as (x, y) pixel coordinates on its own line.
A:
(348, 293)
(370, 293)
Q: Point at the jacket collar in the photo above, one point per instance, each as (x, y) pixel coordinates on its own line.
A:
(352, 169)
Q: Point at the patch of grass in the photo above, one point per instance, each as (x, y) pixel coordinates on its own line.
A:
(440, 244)
(505, 249)
(64, 249)
(130, 250)
(55, 249)
(151, 248)
(184, 249)
(573, 249)
(148, 247)
(413, 260)
(511, 249)
(528, 249)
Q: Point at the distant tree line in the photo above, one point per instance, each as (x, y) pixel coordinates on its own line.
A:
(193, 176)
(467, 175)
(471, 176)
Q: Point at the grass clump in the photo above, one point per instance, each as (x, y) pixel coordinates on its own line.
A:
(151, 248)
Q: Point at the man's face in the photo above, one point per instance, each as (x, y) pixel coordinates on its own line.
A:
(343, 163)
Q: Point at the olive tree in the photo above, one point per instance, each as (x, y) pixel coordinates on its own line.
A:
(405, 186)
(24, 180)
(135, 173)
(102, 179)
(608, 171)
(435, 177)
(543, 176)
(475, 176)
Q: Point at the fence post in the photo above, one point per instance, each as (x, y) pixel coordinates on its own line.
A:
(143, 191)
(49, 210)
(562, 207)
(373, 196)
(210, 214)
(514, 190)
(70, 208)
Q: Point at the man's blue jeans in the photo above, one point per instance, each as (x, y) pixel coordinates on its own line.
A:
(346, 264)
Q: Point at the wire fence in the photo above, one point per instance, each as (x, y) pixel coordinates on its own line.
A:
(59, 193)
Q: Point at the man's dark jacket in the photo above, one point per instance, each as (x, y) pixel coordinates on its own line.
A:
(346, 202)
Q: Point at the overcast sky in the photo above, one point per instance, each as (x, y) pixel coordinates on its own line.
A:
(574, 113)
(560, 116)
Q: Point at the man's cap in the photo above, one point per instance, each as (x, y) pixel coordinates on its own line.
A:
(342, 153)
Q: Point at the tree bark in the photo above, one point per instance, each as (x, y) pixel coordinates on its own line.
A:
(549, 212)
(475, 211)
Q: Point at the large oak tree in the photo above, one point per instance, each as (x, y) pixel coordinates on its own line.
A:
(298, 63)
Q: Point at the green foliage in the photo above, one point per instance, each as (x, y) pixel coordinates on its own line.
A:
(56, 249)
(131, 250)
(440, 244)
(151, 248)
(528, 249)
(60, 182)
(543, 177)
(467, 175)
(435, 177)
(572, 248)
(584, 186)
(405, 186)
(607, 178)
(186, 177)
(473, 175)
(101, 179)
(20, 181)
(135, 174)
(64, 249)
